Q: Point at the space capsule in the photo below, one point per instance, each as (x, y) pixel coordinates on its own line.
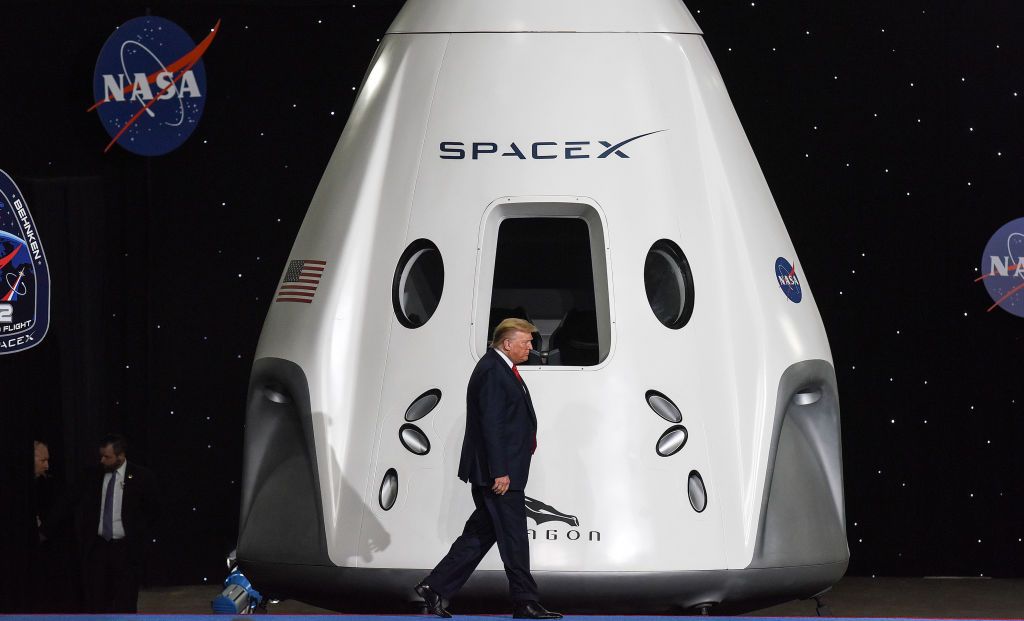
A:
(577, 163)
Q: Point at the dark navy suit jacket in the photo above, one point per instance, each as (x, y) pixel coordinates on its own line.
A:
(501, 425)
(140, 508)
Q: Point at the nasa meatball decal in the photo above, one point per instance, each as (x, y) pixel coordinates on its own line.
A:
(24, 276)
(150, 85)
(789, 282)
(1002, 268)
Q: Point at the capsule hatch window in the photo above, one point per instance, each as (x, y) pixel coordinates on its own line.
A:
(546, 263)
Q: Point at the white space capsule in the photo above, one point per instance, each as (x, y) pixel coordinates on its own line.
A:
(578, 163)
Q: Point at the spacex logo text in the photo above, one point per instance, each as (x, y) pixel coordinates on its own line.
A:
(538, 150)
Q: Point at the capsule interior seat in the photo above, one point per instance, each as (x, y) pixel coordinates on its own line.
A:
(574, 342)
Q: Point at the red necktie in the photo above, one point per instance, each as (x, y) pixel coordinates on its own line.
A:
(515, 370)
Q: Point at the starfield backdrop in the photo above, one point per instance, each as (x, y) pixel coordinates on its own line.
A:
(891, 135)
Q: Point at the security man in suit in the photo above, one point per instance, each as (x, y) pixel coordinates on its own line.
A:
(119, 505)
(501, 436)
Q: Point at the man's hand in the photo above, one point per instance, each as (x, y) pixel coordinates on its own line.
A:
(501, 485)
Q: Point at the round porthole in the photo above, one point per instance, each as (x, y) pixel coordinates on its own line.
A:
(698, 494)
(419, 279)
(669, 284)
(388, 489)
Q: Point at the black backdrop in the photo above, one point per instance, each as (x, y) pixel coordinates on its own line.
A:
(890, 134)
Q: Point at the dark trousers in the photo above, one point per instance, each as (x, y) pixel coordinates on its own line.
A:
(55, 578)
(111, 580)
(497, 519)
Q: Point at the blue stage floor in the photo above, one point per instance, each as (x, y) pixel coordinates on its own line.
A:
(279, 617)
(853, 598)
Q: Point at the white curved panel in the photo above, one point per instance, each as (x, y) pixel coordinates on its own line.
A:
(418, 16)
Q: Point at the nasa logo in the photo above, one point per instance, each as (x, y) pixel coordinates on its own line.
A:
(541, 149)
(788, 280)
(540, 513)
(24, 276)
(1002, 268)
(150, 85)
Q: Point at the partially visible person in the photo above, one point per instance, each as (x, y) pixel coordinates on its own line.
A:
(42, 459)
(41, 496)
(54, 579)
(17, 517)
(118, 508)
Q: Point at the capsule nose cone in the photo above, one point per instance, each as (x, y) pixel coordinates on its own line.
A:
(544, 16)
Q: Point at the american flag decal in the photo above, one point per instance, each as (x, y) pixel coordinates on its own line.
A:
(300, 281)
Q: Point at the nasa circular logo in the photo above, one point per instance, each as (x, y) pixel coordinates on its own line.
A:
(1002, 268)
(150, 85)
(24, 275)
(788, 280)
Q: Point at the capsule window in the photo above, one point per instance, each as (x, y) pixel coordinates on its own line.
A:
(419, 279)
(544, 273)
(669, 284)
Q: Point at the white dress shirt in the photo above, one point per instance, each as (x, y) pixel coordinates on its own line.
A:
(507, 360)
(512, 366)
(118, 495)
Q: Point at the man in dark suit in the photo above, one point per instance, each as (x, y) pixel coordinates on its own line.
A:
(53, 557)
(501, 436)
(118, 507)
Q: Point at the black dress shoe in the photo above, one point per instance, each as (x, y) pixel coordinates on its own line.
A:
(533, 610)
(433, 601)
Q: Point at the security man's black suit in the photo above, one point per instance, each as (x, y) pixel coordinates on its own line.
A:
(112, 569)
(501, 432)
